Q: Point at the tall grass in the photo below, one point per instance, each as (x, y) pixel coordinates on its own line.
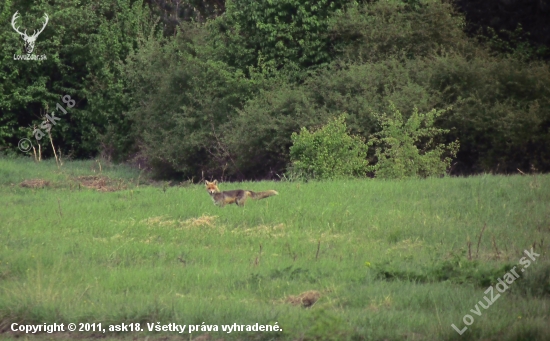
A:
(167, 254)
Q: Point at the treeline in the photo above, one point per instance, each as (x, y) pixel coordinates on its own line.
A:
(219, 87)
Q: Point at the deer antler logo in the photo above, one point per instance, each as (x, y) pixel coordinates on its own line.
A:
(29, 40)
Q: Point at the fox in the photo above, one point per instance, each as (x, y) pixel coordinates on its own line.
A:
(237, 196)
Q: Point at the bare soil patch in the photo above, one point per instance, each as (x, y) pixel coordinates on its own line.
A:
(100, 183)
(34, 183)
(305, 299)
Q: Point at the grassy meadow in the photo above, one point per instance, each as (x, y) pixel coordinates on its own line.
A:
(372, 259)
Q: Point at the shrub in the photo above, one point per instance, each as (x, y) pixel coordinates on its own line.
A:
(376, 30)
(84, 42)
(328, 153)
(258, 138)
(179, 101)
(284, 32)
(408, 149)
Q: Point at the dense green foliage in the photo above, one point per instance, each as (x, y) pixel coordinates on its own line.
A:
(284, 32)
(327, 153)
(409, 149)
(187, 90)
(84, 41)
(510, 26)
(177, 114)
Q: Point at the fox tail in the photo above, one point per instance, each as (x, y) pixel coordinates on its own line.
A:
(262, 195)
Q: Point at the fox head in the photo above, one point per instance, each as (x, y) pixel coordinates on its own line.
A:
(212, 187)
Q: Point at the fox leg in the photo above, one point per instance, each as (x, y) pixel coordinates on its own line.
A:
(240, 201)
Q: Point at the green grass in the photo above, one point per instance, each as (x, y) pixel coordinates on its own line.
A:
(390, 258)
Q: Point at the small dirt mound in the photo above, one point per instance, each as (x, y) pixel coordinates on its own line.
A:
(306, 299)
(99, 183)
(35, 183)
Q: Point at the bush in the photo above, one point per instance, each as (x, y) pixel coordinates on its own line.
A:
(284, 32)
(501, 111)
(179, 100)
(258, 138)
(375, 31)
(328, 153)
(408, 149)
(84, 43)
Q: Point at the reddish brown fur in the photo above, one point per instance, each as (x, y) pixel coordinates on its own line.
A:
(237, 196)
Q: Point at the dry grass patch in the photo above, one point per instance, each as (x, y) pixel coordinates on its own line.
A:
(305, 299)
(375, 305)
(263, 230)
(100, 183)
(160, 221)
(163, 221)
(203, 220)
(34, 183)
(328, 236)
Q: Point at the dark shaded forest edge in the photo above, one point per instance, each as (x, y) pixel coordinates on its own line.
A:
(214, 88)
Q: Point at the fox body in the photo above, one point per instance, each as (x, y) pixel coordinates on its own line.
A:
(237, 196)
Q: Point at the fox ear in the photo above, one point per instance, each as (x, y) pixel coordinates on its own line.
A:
(215, 182)
(206, 182)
